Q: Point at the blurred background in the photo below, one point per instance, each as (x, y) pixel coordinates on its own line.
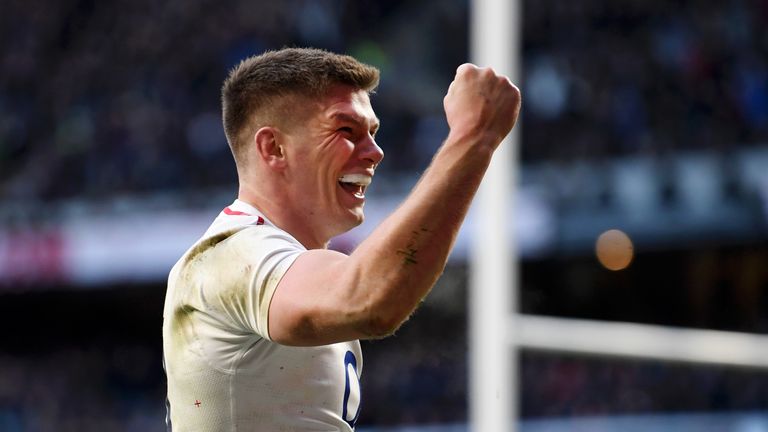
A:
(646, 116)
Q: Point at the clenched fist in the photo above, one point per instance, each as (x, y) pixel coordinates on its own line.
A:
(481, 105)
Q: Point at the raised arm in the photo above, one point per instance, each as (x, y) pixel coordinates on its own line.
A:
(327, 297)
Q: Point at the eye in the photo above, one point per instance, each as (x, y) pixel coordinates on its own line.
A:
(345, 129)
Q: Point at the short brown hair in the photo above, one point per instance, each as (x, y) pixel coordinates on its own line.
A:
(256, 85)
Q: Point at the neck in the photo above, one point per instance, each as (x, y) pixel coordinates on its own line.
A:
(284, 215)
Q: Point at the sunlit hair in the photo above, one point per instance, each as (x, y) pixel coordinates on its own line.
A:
(258, 90)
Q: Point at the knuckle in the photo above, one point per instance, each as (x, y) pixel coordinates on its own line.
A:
(466, 68)
(488, 72)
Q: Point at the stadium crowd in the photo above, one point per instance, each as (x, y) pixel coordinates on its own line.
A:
(105, 98)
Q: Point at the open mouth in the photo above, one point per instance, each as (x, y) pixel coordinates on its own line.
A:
(355, 184)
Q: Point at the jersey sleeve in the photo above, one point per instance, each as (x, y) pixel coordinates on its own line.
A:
(243, 272)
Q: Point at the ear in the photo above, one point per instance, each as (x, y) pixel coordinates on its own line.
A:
(269, 147)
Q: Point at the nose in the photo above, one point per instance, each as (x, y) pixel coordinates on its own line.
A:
(371, 151)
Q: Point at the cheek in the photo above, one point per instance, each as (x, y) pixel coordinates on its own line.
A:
(327, 164)
(340, 151)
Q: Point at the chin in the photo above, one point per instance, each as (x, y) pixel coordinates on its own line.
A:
(357, 218)
(353, 218)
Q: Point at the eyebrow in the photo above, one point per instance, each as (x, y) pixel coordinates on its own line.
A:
(344, 117)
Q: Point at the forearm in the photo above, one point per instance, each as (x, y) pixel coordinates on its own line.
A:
(402, 259)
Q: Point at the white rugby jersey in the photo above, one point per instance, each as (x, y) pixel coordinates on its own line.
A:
(224, 373)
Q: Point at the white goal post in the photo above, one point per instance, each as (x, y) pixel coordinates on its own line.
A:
(494, 37)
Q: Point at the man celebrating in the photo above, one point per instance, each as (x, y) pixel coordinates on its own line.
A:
(262, 322)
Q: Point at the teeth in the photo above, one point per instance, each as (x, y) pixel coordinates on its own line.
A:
(358, 179)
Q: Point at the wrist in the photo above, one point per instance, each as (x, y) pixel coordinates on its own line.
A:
(482, 140)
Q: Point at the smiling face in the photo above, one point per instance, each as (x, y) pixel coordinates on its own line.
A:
(331, 159)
